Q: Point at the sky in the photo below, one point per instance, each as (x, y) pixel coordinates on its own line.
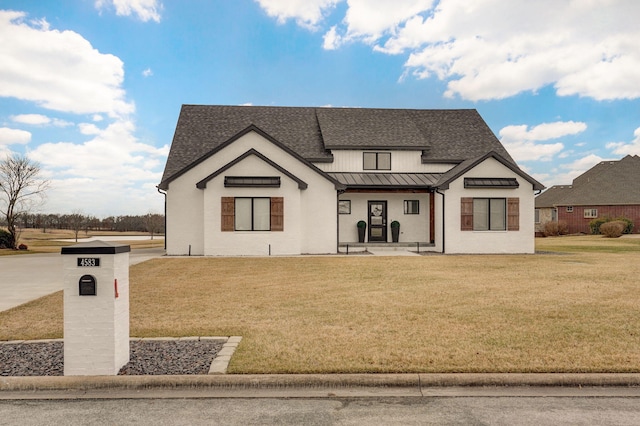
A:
(92, 89)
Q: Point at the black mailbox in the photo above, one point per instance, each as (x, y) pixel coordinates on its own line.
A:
(87, 286)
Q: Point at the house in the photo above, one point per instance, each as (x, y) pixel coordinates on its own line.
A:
(610, 189)
(253, 180)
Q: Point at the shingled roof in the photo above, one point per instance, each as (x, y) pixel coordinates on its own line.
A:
(442, 135)
(607, 183)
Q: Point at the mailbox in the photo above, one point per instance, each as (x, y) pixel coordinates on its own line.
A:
(87, 286)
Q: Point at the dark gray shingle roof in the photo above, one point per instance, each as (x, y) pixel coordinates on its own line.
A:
(443, 135)
(606, 183)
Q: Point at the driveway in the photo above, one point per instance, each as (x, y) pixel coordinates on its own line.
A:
(30, 276)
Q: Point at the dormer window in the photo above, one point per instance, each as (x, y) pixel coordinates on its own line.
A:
(376, 161)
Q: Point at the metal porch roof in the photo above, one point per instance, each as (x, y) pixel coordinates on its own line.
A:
(386, 180)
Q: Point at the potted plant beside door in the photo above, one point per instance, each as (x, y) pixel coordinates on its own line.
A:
(395, 231)
(362, 226)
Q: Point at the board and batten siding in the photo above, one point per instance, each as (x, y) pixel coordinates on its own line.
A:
(401, 162)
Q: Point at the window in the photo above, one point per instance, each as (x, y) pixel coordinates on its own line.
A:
(569, 209)
(252, 214)
(376, 161)
(490, 214)
(411, 207)
(537, 216)
(344, 206)
(590, 213)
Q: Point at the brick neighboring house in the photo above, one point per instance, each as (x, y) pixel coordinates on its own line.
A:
(610, 189)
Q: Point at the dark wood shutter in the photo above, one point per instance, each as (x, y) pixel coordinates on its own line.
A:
(466, 214)
(277, 214)
(513, 214)
(228, 207)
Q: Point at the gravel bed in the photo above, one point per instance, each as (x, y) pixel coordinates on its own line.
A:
(147, 357)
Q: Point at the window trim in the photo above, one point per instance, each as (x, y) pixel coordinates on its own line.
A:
(344, 206)
(590, 213)
(253, 215)
(228, 214)
(511, 214)
(407, 203)
(377, 160)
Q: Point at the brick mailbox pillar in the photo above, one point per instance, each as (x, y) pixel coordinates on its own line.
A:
(96, 308)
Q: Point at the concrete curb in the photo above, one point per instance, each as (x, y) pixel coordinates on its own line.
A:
(314, 381)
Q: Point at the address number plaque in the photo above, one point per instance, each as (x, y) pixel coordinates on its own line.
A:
(89, 262)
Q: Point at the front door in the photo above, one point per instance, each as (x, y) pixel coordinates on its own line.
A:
(378, 221)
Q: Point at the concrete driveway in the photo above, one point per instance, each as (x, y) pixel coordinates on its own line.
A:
(30, 276)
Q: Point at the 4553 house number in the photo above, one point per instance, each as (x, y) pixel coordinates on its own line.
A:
(89, 262)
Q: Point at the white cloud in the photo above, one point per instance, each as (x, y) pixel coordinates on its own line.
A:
(58, 70)
(88, 129)
(111, 172)
(33, 119)
(622, 148)
(307, 13)
(494, 49)
(147, 72)
(145, 10)
(14, 136)
(111, 166)
(520, 140)
(39, 120)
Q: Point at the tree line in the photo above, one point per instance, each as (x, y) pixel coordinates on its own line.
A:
(152, 223)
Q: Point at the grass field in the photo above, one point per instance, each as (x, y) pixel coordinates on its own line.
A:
(49, 242)
(572, 309)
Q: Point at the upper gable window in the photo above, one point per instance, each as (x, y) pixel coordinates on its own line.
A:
(376, 161)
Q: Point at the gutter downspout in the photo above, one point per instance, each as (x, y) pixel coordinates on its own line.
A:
(165, 216)
(443, 218)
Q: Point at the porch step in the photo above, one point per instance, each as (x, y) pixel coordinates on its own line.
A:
(386, 248)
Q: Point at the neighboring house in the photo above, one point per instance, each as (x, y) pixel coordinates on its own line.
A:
(245, 180)
(610, 189)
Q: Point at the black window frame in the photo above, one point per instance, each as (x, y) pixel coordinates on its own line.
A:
(377, 155)
(411, 202)
(489, 227)
(252, 181)
(235, 214)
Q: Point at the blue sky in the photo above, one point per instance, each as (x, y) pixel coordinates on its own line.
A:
(91, 89)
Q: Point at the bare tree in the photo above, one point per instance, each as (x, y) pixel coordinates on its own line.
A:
(76, 221)
(153, 223)
(21, 189)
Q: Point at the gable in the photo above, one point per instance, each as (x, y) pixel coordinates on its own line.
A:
(466, 166)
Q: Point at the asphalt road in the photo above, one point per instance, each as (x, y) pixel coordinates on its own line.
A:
(464, 410)
(27, 277)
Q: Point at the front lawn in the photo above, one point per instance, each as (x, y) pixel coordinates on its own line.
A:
(568, 310)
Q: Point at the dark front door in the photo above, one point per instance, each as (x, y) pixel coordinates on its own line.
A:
(378, 221)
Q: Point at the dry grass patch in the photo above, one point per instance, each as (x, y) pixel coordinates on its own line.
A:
(48, 242)
(536, 313)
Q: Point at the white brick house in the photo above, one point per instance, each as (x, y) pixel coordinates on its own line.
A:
(244, 180)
